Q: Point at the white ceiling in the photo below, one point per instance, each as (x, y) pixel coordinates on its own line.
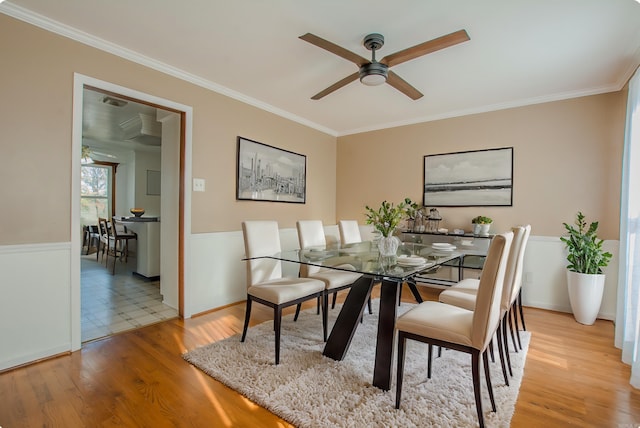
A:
(110, 126)
(520, 52)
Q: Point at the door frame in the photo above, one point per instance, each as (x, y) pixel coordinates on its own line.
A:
(184, 238)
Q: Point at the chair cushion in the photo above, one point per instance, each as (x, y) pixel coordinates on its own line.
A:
(335, 278)
(463, 298)
(438, 321)
(467, 284)
(284, 290)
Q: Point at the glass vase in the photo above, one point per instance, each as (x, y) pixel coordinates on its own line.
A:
(388, 247)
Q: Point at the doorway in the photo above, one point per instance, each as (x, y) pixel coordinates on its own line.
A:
(173, 145)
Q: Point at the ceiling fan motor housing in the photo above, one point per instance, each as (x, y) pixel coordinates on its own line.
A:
(373, 74)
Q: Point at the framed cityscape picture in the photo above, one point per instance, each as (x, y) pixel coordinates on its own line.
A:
(473, 178)
(267, 173)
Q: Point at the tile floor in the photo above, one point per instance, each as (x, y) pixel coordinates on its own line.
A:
(115, 303)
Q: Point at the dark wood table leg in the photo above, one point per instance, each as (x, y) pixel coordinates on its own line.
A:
(414, 290)
(389, 294)
(348, 319)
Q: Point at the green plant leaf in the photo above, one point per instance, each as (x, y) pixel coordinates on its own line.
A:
(585, 253)
(388, 216)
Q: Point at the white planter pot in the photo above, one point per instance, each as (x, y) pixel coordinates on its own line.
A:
(481, 229)
(585, 295)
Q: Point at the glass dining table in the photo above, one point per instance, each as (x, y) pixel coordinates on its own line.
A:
(391, 272)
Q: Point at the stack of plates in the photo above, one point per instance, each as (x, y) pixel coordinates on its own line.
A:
(443, 246)
(411, 261)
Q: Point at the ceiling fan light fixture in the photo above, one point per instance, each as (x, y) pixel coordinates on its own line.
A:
(373, 74)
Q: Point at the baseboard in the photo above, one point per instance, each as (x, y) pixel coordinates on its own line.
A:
(561, 308)
(29, 359)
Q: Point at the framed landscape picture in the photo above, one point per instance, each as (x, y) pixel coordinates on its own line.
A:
(267, 173)
(473, 178)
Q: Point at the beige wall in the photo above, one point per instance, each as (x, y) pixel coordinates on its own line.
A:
(567, 157)
(567, 153)
(36, 87)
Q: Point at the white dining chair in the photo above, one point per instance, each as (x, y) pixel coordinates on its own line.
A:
(311, 234)
(516, 293)
(455, 328)
(464, 293)
(349, 232)
(265, 283)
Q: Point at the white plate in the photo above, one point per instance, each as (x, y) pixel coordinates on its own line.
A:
(441, 245)
(411, 260)
(450, 248)
(437, 254)
(423, 265)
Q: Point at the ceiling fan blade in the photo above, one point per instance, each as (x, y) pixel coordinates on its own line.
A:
(400, 84)
(350, 78)
(334, 49)
(425, 48)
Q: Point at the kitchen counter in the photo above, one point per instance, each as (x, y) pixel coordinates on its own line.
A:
(148, 245)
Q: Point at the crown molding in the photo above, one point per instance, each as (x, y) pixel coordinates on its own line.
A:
(493, 107)
(56, 27)
(64, 30)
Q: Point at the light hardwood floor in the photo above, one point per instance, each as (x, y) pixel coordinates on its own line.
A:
(573, 377)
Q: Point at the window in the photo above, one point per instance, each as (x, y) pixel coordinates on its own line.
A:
(95, 193)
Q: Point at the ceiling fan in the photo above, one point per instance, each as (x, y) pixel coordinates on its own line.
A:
(375, 72)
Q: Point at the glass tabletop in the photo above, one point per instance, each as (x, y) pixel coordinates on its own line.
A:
(363, 257)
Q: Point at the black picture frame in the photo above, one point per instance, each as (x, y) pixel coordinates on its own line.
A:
(267, 173)
(476, 178)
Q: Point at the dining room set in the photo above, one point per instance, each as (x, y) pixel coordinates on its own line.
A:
(110, 238)
(471, 314)
(121, 237)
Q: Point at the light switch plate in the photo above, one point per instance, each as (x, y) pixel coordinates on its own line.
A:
(198, 184)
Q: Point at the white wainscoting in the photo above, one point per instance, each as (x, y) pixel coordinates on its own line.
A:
(217, 272)
(218, 275)
(544, 283)
(35, 302)
(35, 286)
(220, 280)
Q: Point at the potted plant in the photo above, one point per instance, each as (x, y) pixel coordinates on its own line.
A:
(481, 225)
(385, 220)
(413, 211)
(585, 279)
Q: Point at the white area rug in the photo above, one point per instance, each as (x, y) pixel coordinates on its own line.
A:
(310, 390)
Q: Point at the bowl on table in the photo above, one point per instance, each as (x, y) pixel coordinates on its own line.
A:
(137, 211)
